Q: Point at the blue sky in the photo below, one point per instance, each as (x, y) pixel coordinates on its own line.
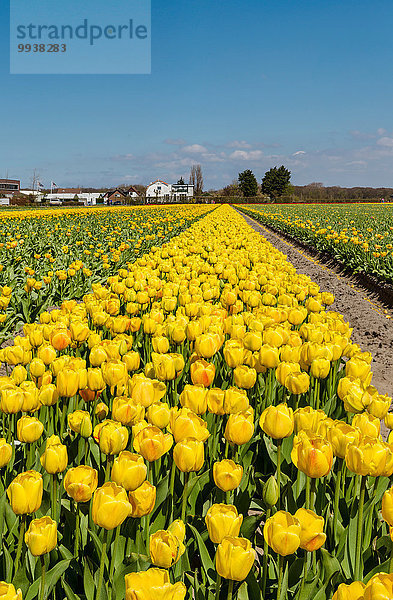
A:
(234, 85)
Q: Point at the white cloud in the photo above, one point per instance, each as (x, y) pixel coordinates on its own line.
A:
(243, 155)
(386, 141)
(381, 131)
(298, 153)
(194, 149)
(239, 144)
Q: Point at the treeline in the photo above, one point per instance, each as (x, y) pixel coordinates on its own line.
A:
(320, 193)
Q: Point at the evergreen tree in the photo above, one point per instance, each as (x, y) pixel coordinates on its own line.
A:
(248, 183)
(276, 182)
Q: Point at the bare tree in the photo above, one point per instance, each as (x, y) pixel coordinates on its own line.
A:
(196, 179)
(34, 179)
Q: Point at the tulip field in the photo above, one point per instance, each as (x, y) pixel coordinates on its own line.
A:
(48, 256)
(358, 235)
(184, 416)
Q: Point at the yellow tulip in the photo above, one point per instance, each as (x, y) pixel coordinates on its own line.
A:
(370, 457)
(340, 435)
(8, 592)
(41, 536)
(240, 427)
(312, 454)
(222, 520)
(234, 558)
(387, 506)
(235, 400)
(311, 534)
(111, 436)
(215, 401)
(151, 443)
(202, 372)
(127, 411)
(277, 421)
(142, 500)
(55, 458)
(29, 429)
(165, 549)
(80, 422)
(184, 423)
(129, 470)
(227, 475)
(282, 533)
(353, 591)
(379, 587)
(158, 414)
(189, 455)
(110, 506)
(194, 398)
(25, 492)
(5, 452)
(81, 482)
(153, 584)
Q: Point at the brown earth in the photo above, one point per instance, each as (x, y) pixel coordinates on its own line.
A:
(363, 309)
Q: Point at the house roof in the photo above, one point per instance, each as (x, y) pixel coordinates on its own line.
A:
(158, 181)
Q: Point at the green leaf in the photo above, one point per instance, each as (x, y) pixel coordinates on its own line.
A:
(68, 591)
(207, 562)
(284, 585)
(88, 582)
(52, 577)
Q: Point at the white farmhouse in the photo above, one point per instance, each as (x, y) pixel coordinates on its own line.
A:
(160, 191)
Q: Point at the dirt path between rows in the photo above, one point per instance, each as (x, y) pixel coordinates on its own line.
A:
(370, 319)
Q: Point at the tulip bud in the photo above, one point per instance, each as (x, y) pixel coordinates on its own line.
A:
(270, 491)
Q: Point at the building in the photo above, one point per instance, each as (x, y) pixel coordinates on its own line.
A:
(160, 191)
(69, 194)
(9, 187)
(120, 195)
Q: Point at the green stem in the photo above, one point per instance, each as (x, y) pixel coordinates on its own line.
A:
(358, 565)
(391, 560)
(308, 482)
(109, 461)
(218, 585)
(42, 586)
(54, 497)
(337, 493)
(280, 574)
(279, 472)
(313, 493)
(265, 557)
(22, 528)
(172, 487)
(102, 565)
(184, 498)
(77, 530)
(147, 533)
(230, 590)
(112, 567)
